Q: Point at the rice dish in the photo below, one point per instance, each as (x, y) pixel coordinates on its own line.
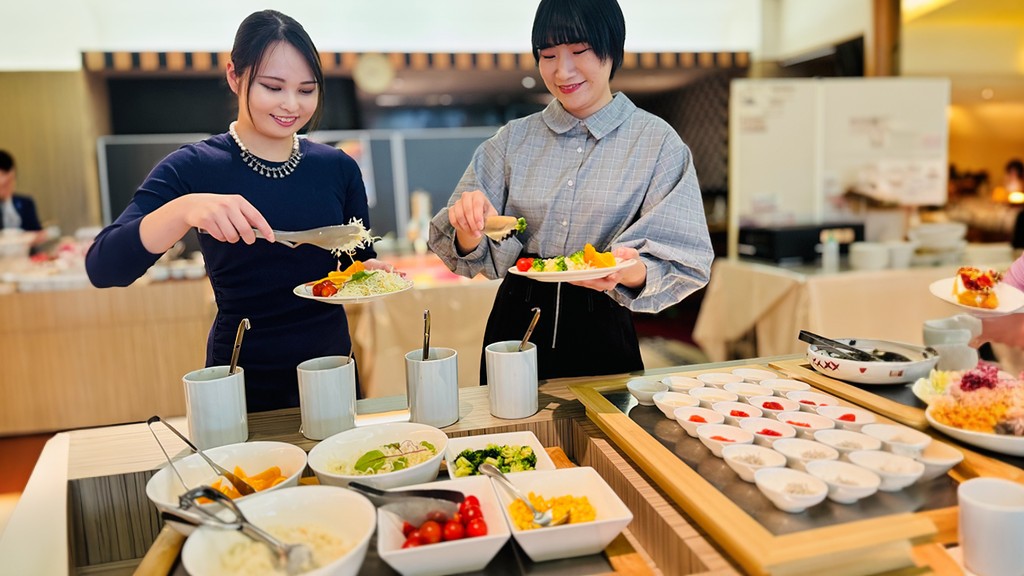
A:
(247, 556)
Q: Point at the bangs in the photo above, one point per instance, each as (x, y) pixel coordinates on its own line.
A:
(597, 23)
(561, 28)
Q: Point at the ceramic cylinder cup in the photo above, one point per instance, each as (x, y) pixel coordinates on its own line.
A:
(511, 379)
(432, 386)
(215, 406)
(992, 526)
(327, 396)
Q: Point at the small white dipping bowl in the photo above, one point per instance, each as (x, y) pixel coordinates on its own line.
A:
(805, 423)
(745, 459)
(847, 483)
(644, 390)
(938, 458)
(734, 412)
(746, 390)
(350, 445)
(841, 415)
(709, 434)
(757, 425)
(669, 401)
(708, 396)
(684, 415)
(799, 452)
(718, 379)
(846, 441)
(682, 383)
(781, 386)
(900, 440)
(754, 375)
(810, 401)
(773, 405)
(897, 472)
(790, 490)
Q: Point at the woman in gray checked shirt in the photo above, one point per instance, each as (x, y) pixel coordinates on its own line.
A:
(591, 167)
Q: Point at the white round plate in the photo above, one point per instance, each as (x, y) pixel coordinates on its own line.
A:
(1002, 443)
(920, 365)
(306, 291)
(573, 275)
(1010, 298)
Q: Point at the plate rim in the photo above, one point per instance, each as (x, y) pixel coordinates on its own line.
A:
(560, 276)
(985, 440)
(941, 289)
(345, 299)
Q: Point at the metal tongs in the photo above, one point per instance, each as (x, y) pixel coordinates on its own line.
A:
(293, 558)
(327, 237)
(500, 228)
(243, 488)
(848, 352)
(413, 505)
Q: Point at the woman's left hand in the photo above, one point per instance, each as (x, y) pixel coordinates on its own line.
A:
(634, 276)
(374, 264)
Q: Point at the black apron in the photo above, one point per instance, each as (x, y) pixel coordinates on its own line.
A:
(594, 336)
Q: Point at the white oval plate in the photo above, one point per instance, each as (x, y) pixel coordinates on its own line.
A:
(306, 291)
(920, 365)
(573, 275)
(1002, 443)
(1010, 298)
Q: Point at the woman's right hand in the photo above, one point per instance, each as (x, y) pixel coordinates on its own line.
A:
(467, 217)
(226, 217)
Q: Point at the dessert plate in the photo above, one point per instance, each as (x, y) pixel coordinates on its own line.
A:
(1010, 298)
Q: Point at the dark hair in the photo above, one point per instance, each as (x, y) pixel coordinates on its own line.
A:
(598, 23)
(6, 161)
(257, 33)
(1016, 166)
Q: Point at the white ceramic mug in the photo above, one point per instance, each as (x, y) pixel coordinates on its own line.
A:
(432, 386)
(992, 526)
(327, 396)
(511, 379)
(215, 406)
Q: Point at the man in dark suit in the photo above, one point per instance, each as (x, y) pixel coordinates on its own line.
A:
(16, 210)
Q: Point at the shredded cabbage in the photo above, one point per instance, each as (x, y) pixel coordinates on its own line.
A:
(374, 283)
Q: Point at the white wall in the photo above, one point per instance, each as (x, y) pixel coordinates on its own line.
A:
(52, 34)
(806, 25)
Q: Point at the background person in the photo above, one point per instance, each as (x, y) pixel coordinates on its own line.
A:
(17, 211)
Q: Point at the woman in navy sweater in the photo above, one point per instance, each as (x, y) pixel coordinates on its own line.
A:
(258, 175)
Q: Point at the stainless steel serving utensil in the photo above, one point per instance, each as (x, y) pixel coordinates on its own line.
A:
(844, 350)
(242, 327)
(294, 558)
(500, 228)
(426, 334)
(149, 424)
(326, 237)
(540, 518)
(529, 330)
(413, 506)
(239, 484)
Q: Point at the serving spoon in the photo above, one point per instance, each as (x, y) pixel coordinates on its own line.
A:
(542, 519)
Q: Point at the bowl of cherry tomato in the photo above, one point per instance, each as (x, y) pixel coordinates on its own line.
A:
(465, 542)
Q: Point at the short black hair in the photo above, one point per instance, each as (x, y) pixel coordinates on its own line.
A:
(1016, 166)
(598, 23)
(261, 30)
(6, 161)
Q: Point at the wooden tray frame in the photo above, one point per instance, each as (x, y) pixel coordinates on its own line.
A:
(862, 547)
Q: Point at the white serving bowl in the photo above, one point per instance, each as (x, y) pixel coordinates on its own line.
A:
(810, 400)
(799, 451)
(682, 383)
(846, 441)
(734, 434)
(805, 423)
(568, 540)
(446, 557)
(773, 483)
(734, 412)
(644, 390)
(897, 472)
(709, 396)
(868, 256)
(736, 454)
(876, 372)
(847, 482)
(349, 445)
(898, 439)
(841, 416)
(164, 488)
(772, 405)
(780, 386)
(754, 375)
(682, 416)
(938, 458)
(344, 513)
(746, 390)
(669, 401)
(481, 441)
(756, 425)
(718, 379)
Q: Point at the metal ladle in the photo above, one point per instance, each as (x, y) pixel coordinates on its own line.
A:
(529, 330)
(242, 327)
(426, 334)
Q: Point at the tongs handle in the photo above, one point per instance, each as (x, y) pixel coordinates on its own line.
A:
(851, 353)
(380, 497)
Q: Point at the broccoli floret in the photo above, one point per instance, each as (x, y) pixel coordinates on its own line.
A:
(538, 265)
(560, 264)
(521, 225)
(508, 452)
(577, 258)
(518, 466)
(463, 467)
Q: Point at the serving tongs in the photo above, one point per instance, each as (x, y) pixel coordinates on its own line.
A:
(499, 228)
(327, 237)
(243, 488)
(849, 352)
(226, 515)
(415, 506)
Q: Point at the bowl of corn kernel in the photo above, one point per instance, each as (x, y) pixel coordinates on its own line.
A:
(596, 515)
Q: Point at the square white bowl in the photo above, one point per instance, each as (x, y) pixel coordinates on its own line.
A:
(480, 442)
(568, 540)
(446, 557)
(349, 445)
(667, 402)
(682, 416)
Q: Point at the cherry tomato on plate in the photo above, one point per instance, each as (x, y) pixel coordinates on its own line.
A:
(430, 532)
(472, 501)
(524, 264)
(476, 527)
(470, 513)
(453, 530)
(325, 288)
(407, 529)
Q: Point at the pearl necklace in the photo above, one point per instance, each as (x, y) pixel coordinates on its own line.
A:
(259, 167)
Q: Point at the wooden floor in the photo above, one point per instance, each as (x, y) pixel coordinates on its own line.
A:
(18, 455)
